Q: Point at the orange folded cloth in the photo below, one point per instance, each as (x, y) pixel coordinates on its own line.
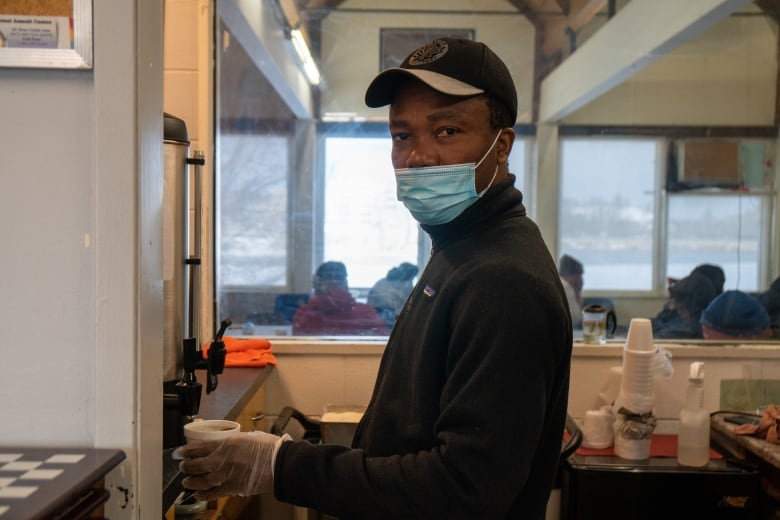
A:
(767, 429)
(249, 352)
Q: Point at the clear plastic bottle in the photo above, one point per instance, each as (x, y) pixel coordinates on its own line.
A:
(693, 438)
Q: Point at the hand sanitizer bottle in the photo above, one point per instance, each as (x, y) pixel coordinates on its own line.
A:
(693, 438)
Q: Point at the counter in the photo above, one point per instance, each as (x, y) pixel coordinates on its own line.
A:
(235, 389)
(758, 452)
(607, 486)
(42, 483)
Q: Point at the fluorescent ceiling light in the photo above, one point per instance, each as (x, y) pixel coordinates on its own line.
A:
(342, 117)
(302, 50)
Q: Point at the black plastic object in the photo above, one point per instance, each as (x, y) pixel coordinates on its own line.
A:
(173, 422)
(743, 419)
(216, 357)
(575, 439)
(571, 441)
(174, 129)
(309, 429)
(607, 486)
(189, 389)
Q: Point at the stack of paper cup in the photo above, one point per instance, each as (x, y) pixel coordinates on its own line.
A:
(634, 422)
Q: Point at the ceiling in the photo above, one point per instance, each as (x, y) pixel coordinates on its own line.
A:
(562, 25)
(558, 21)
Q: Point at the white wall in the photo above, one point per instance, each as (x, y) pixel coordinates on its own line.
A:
(309, 376)
(349, 64)
(188, 66)
(79, 274)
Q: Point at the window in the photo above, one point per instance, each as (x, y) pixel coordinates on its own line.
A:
(607, 217)
(364, 225)
(725, 230)
(630, 233)
(253, 218)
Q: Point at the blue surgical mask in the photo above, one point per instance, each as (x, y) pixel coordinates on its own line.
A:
(437, 194)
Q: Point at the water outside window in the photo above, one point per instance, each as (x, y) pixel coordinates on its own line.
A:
(716, 229)
(607, 208)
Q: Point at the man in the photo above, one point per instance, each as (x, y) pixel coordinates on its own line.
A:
(333, 311)
(571, 271)
(467, 415)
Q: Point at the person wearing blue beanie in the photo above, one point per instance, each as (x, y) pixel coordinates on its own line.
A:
(735, 314)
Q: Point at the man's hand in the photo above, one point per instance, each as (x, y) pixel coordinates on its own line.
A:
(240, 465)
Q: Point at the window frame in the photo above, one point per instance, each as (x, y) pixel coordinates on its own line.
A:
(666, 138)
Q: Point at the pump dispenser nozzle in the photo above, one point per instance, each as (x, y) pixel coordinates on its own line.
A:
(697, 371)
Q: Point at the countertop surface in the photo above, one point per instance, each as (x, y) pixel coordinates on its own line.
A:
(768, 452)
(757, 452)
(235, 388)
(45, 482)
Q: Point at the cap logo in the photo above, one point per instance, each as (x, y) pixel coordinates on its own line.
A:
(428, 53)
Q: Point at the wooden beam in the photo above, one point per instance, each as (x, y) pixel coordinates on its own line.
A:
(636, 36)
(321, 4)
(555, 37)
(583, 11)
(558, 24)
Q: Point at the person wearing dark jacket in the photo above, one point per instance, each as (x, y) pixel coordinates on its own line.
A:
(770, 299)
(467, 414)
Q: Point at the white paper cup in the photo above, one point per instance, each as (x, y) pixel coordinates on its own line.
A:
(640, 335)
(210, 429)
(597, 429)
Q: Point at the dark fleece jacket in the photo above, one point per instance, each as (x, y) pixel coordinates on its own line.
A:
(467, 415)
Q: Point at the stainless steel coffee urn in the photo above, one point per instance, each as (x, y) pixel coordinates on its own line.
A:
(181, 245)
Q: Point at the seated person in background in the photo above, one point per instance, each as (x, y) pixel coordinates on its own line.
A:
(570, 270)
(714, 274)
(680, 316)
(735, 315)
(770, 299)
(389, 294)
(332, 310)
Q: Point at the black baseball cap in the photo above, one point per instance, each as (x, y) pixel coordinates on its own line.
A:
(453, 66)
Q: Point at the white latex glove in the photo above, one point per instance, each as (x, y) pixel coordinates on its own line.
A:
(240, 465)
